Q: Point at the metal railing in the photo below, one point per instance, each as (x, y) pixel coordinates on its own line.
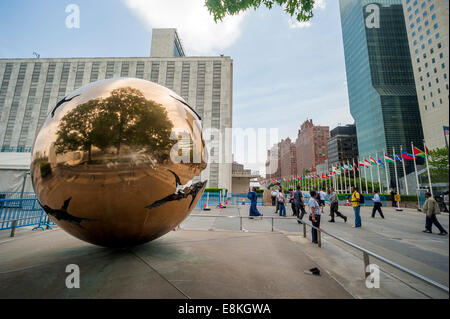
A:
(366, 253)
(22, 212)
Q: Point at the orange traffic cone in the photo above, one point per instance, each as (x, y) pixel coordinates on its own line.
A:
(226, 202)
(204, 206)
(220, 206)
(348, 203)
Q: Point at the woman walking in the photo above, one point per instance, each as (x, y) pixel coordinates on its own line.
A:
(253, 196)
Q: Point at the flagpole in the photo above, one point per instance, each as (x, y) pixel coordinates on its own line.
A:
(380, 186)
(371, 177)
(395, 168)
(340, 178)
(415, 168)
(365, 177)
(359, 173)
(428, 168)
(349, 177)
(345, 179)
(404, 170)
(386, 171)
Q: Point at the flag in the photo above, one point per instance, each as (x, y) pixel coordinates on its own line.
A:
(324, 176)
(368, 164)
(372, 160)
(350, 166)
(418, 152)
(407, 155)
(380, 163)
(361, 164)
(446, 130)
(397, 158)
(388, 159)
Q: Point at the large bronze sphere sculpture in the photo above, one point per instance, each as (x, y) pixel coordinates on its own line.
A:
(117, 162)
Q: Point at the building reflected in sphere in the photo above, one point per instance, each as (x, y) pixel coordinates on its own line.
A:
(117, 162)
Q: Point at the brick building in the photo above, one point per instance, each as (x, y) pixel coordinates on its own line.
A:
(288, 167)
(311, 146)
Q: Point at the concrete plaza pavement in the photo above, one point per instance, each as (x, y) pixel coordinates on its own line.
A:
(398, 237)
(181, 264)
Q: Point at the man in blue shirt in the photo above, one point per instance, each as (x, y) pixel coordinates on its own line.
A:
(376, 204)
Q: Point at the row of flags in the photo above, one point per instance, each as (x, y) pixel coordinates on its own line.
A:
(369, 162)
(366, 163)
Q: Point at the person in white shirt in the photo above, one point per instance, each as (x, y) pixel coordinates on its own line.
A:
(281, 201)
(274, 197)
(376, 204)
(315, 213)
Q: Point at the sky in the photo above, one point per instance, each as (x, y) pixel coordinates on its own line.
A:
(284, 72)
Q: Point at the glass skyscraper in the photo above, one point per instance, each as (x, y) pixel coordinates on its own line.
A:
(380, 78)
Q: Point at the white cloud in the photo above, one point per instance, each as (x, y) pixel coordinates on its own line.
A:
(294, 24)
(196, 27)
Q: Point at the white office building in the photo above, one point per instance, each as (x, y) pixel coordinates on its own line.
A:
(427, 23)
(29, 88)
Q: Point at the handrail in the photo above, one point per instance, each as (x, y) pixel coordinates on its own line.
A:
(366, 252)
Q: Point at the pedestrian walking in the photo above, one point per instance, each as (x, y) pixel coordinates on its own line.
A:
(334, 206)
(281, 203)
(291, 201)
(253, 196)
(274, 197)
(314, 216)
(431, 209)
(322, 196)
(356, 204)
(446, 202)
(393, 193)
(299, 204)
(277, 191)
(376, 204)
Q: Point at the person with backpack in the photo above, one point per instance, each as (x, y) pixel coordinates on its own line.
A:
(356, 201)
(281, 201)
(299, 204)
(431, 209)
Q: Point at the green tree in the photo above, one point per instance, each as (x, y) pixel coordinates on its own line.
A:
(301, 10)
(126, 117)
(76, 130)
(439, 164)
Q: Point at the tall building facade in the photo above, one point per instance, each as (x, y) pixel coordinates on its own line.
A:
(342, 145)
(29, 88)
(273, 163)
(311, 146)
(380, 78)
(427, 26)
(288, 159)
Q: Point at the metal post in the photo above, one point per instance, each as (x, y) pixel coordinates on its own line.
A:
(272, 224)
(304, 230)
(13, 229)
(241, 222)
(366, 264)
(319, 238)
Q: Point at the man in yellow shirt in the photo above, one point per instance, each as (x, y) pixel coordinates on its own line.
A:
(356, 198)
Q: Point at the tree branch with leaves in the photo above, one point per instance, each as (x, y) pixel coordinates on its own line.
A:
(301, 10)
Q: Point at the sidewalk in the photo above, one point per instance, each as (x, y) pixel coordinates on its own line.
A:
(181, 264)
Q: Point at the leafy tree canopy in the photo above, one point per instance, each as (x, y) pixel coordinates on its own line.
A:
(301, 10)
(439, 164)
